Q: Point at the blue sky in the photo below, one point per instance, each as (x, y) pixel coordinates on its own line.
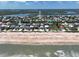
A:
(39, 4)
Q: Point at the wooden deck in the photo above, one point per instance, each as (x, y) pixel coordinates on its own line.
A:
(37, 38)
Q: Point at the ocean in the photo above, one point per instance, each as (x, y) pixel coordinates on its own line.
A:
(9, 50)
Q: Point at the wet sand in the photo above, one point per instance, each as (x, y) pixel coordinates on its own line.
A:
(37, 38)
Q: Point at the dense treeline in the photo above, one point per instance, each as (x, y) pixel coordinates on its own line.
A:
(35, 11)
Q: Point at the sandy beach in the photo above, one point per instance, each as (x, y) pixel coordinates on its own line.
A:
(37, 38)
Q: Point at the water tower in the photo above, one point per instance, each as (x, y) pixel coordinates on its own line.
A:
(39, 15)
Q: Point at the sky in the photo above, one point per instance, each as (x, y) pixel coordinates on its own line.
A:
(39, 4)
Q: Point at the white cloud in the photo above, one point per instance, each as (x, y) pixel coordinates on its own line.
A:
(77, 2)
(36, 1)
(22, 1)
(27, 3)
(60, 2)
(3, 2)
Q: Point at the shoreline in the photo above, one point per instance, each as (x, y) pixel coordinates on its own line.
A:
(36, 38)
(40, 44)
